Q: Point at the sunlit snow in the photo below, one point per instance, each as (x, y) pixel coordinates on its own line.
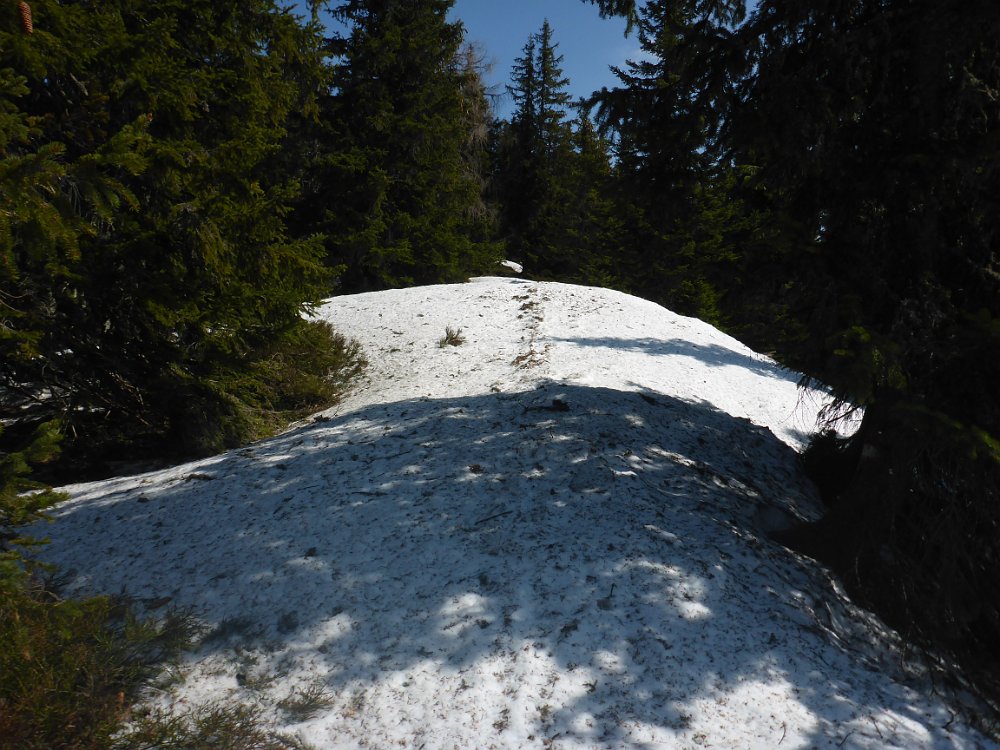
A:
(549, 536)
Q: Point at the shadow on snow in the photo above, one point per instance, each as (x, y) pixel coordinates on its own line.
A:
(713, 355)
(610, 536)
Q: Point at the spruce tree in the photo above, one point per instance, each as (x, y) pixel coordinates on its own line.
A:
(864, 137)
(593, 225)
(537, 153)
(167, 288)
(402, 201)
(553, 99)
(872, 128)
(683, 233)
(864, 134)
(860, 140)
(478, 124)
(624, 8)
(524, 93)
(518, 153)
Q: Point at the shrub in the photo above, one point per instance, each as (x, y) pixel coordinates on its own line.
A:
(212, 727)
(71, 669)
(452, 337)
(306, 370)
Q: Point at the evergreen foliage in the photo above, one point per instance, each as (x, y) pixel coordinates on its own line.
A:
(684, 226)
(151, 300)
(23, 500)
(554, 180)
(402, 149)
(841, 161)
(70, 670)
(552, 99)
(147, 270)
(591, 224)
(534, 191)
(624, 8)
(478, 116)
(872, 130)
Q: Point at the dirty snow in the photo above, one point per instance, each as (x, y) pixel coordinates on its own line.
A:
(552, 535)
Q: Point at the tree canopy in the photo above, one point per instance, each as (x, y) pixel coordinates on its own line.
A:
(148, 276)
(825, 176)
(871, 129)
(402, 190)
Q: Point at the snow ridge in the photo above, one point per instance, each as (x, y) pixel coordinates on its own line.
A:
(551, 536)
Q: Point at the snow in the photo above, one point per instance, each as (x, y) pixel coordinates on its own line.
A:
(550, 536)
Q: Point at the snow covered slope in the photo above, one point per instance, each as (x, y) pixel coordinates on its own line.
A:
(549, 536)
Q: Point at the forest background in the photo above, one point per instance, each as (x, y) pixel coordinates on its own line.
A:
(181, 181)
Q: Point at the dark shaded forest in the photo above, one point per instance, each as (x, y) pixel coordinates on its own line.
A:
(181, 181)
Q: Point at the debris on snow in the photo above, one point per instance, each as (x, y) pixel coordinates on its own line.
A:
(469, 552)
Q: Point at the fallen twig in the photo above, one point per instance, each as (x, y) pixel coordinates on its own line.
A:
(490, 518)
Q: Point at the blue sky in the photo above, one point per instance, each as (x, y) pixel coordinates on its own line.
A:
(588, 43)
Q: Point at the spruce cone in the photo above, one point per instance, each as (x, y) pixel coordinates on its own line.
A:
(26, 23)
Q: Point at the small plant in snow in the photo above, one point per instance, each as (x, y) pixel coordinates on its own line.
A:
(452, 337)
(302, 705)
(209, 727)
(356, 704)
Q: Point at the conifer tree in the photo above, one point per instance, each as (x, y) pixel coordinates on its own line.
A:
(402, 200)
(872, 127)
(554, 181)
(478, 124)
(683, 234)
(525, 95)
(593, 227)
(153, 280)
(864, 133)
(624, 8)
(518, 152)
(553, 99)
(537, 152)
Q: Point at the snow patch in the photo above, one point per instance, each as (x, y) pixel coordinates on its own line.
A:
(551, 536)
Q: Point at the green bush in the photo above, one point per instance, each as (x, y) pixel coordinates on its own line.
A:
(306, 370)
(212, 727)
(71, 669)
(242, 396)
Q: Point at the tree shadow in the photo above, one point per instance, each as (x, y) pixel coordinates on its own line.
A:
(566, 565)
(712, 355)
